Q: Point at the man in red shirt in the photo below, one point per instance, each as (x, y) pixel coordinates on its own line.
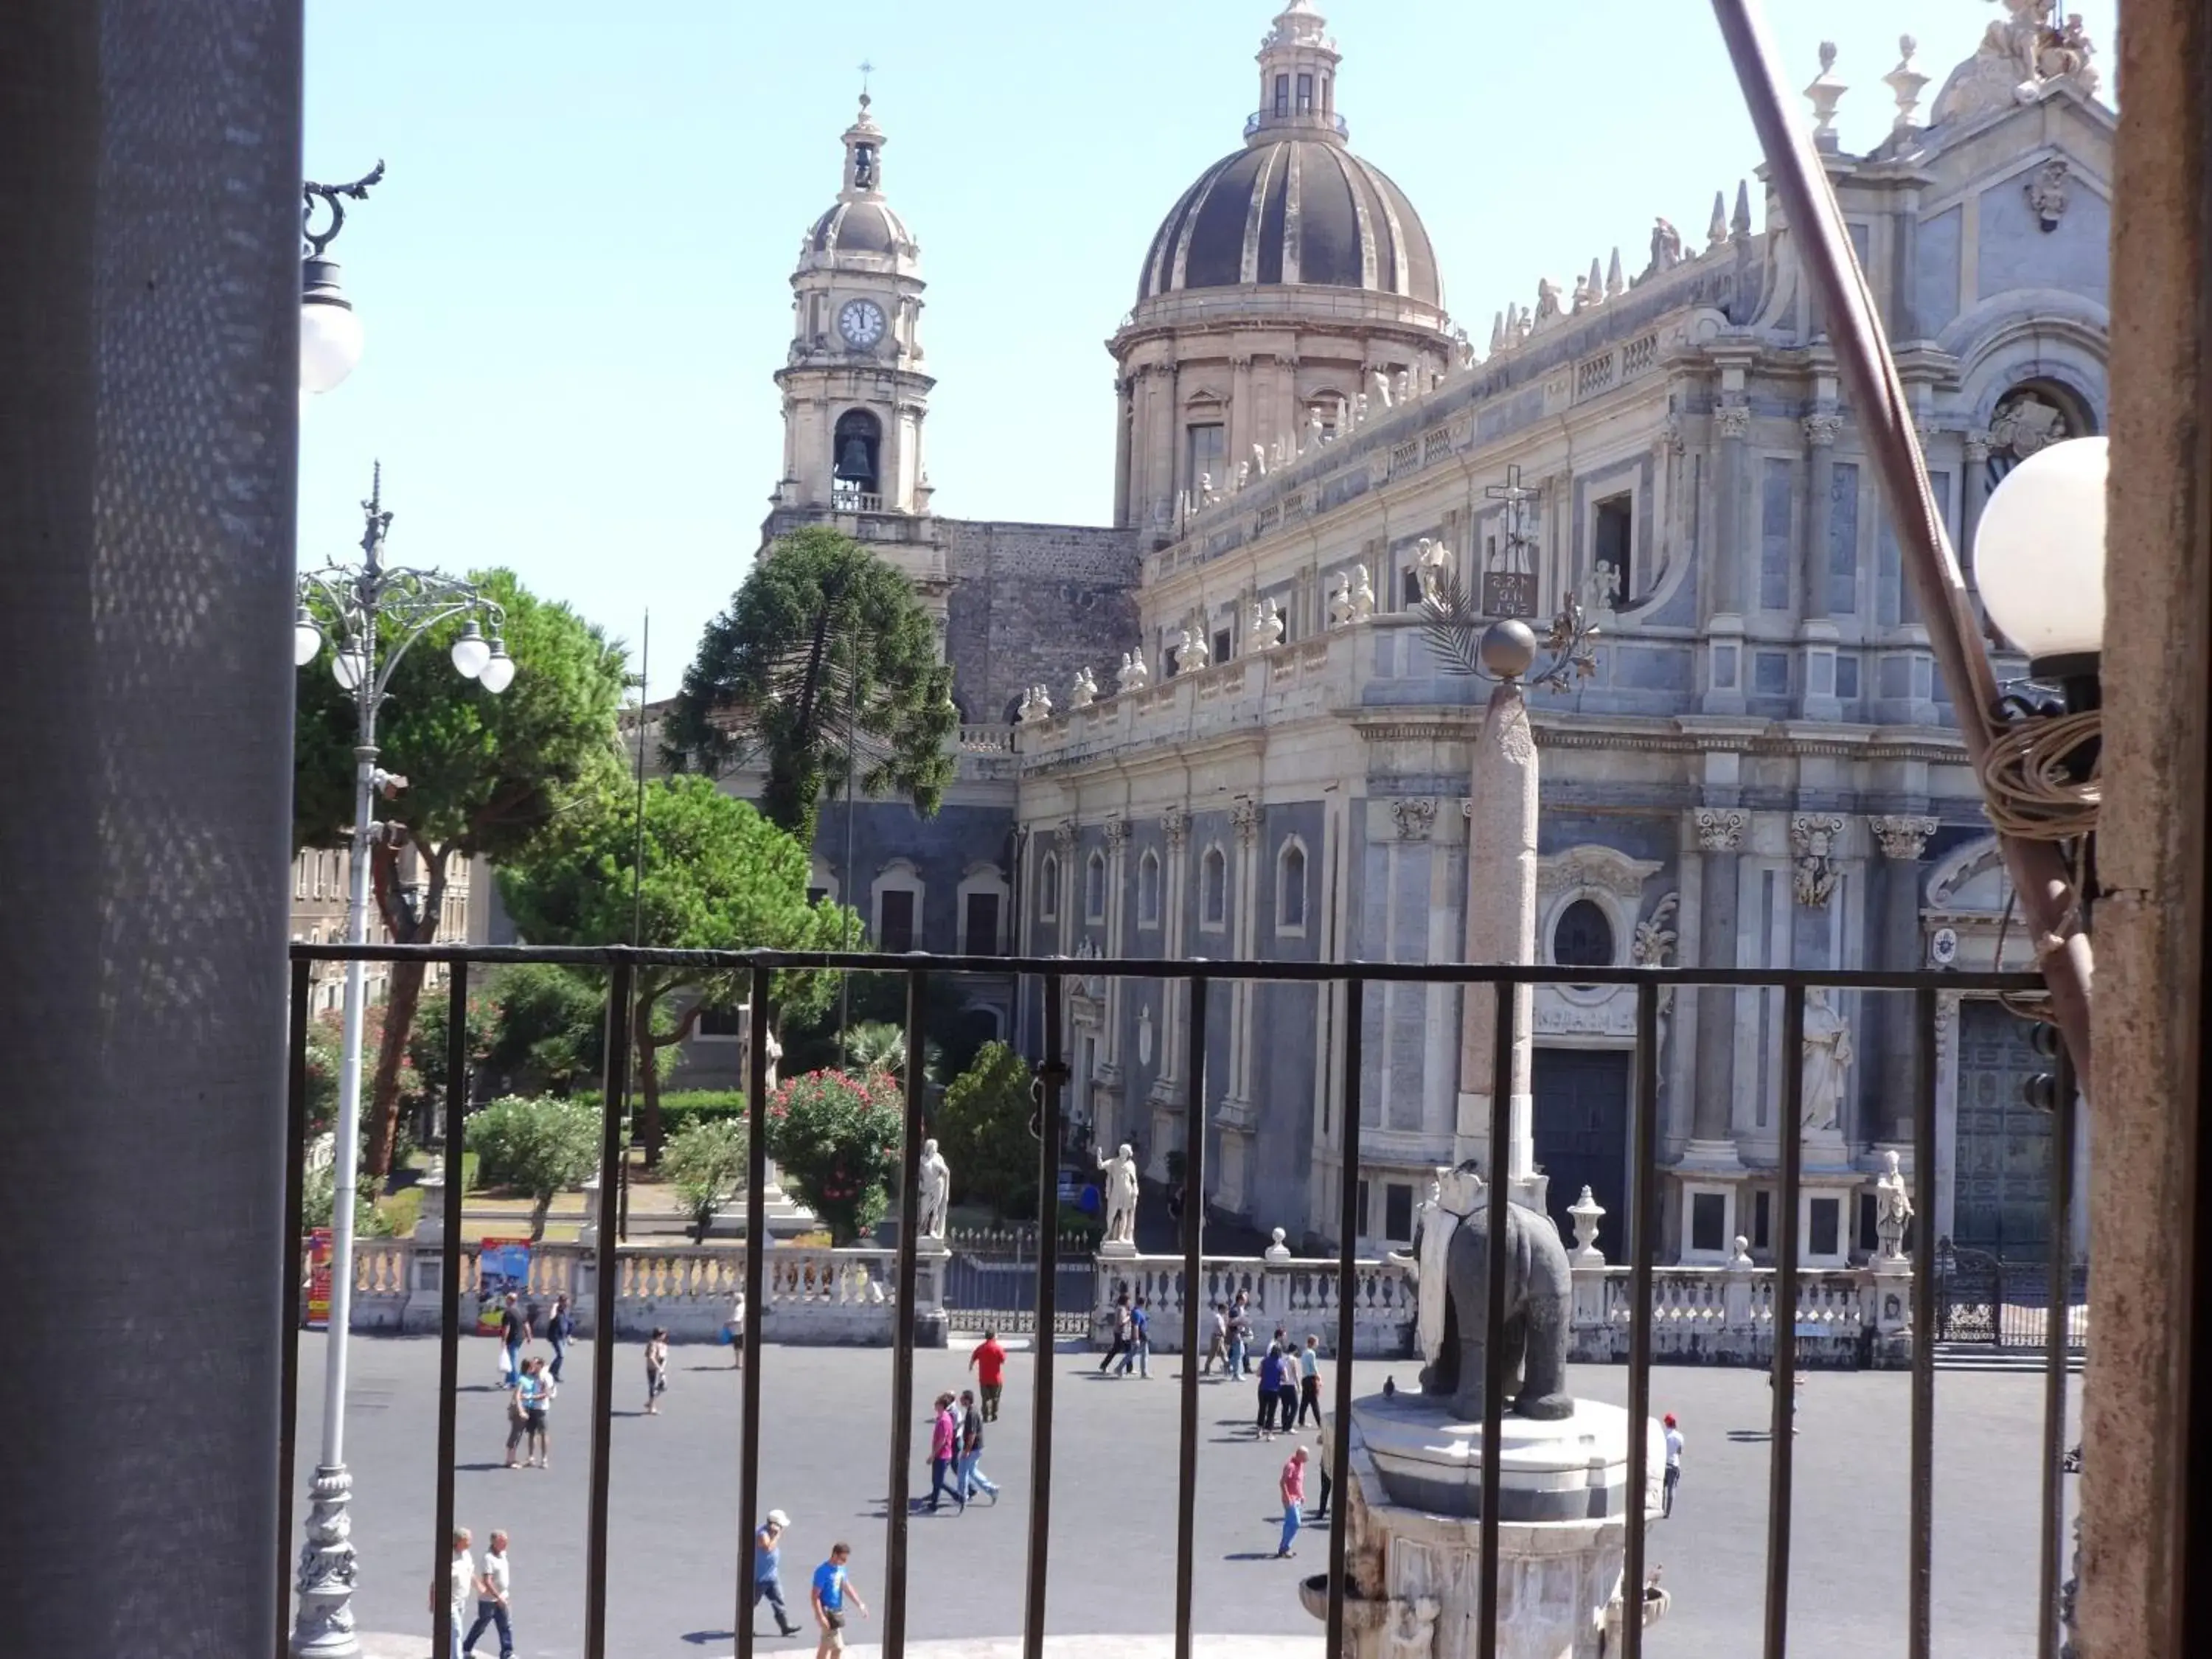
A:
(989, 1361)
(1291, 1486)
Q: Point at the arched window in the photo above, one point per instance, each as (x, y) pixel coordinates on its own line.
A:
(1148, 889)
(1582, 936)
(1094, 887)
(857, 447)
(1291, 887)
(1049, 888)
(1212, 889)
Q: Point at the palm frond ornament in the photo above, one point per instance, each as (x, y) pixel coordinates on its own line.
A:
(1469, 643)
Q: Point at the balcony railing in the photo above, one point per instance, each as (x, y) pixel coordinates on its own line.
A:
(1643, 1309)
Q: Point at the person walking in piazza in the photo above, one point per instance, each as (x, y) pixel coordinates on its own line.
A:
(989, 1361)
(1293, 1489)
(461, 1580)
(768, 1570)
(1122, 1327)
(495, 1591)
(559, 1331)
(538, 1392)
(1309, 1382)
(1217, 1346)
(1271, 1392)
(513, 1332)
(971, 1452)
(1673, 1466)
(517, 1415)
(1240, 1336)
(656, 1372)
(832, 1588)
(1140, 1342)
(944, 1454)
(1287, 1385)
(734, 1332)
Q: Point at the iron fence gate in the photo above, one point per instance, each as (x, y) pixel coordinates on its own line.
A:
(991, 1281)
(1982, 1296)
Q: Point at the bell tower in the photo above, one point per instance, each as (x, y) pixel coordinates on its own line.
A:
(854, 396)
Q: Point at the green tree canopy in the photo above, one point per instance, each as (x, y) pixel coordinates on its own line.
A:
(705, 1164)
(824, 662)
(717, 876)
(484, 775)
(983, 1130)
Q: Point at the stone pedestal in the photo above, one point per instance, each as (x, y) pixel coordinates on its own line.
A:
(1414, 1495)
(1115, 1246)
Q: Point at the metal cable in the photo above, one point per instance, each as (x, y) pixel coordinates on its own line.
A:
(2030, 786)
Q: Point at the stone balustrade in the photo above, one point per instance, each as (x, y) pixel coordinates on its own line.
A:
(1299, 1294)
(813, 1296)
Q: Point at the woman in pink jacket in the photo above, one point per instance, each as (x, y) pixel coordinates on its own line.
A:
(945, 1456)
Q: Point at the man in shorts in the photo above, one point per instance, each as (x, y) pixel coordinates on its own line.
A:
(833, 1587)
(989, 1361)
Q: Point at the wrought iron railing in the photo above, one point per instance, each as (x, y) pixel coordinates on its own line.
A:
(621, 965)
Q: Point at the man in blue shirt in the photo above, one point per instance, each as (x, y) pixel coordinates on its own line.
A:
(768, 1570)
(1140, 1342)
(832, 1587)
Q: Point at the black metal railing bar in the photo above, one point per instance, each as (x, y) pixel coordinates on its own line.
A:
(1507, 983)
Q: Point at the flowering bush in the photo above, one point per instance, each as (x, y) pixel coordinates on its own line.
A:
(835, 1137)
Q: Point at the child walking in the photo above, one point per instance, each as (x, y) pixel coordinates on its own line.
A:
(656, 1372)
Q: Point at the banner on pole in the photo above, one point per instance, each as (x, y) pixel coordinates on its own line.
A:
(503, 1265)
(318, 1278)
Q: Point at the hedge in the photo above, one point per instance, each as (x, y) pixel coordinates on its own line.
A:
(682, 1109)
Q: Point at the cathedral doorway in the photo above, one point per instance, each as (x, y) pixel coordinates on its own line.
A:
(2000, 1198)
(1581, 1128)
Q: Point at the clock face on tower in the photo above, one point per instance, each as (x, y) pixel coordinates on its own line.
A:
(861, 322)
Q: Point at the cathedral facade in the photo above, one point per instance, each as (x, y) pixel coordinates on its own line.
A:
(1218, 728)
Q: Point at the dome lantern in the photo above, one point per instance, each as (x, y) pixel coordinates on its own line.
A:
(1297, 79)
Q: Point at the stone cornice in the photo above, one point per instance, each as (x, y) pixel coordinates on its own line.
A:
(1630, 734)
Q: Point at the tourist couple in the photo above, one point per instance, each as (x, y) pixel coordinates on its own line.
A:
(956, 1452)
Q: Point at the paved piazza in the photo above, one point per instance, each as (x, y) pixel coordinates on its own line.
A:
(825, 1439)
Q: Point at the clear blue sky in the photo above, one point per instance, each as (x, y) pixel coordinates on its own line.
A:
(574, 277)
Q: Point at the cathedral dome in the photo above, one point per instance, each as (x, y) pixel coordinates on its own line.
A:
(1292, 209)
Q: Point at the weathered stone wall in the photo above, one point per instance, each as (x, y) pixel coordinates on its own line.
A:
(2145, 1216)
(1033, 602)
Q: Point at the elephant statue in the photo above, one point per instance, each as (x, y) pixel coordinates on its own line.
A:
(1533, 1327)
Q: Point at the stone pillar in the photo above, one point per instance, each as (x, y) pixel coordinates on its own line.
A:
(1243, 424)
(1973, 494)
(1237, 1116)
(1123, 415)
(1903, 839)
(148, 438)
(1732, 497)
(1820, 434)
(1501, 927)
(1720, 839)
(1167, 1090)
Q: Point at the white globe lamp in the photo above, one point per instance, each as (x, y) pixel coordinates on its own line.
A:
(331, 335)
(470, 652)
(498, 672)
(306, 639)
(2040, 558)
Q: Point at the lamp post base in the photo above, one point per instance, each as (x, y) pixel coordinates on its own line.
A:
(323, 1627)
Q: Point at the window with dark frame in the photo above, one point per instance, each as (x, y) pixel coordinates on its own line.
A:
(1762, 1220)
(1213, 888)
(1282, 94)
(982, 924)
(1359, 1209)
(1397, 1212)
(1205, 444)
(721, 1021)
(1148, 889)
(1708, 1221)
(1291, 911)
(1611, 540)
(895, 930)
(1305, 95)
(1826, 1230)
(1583, 937)
(1222, 643)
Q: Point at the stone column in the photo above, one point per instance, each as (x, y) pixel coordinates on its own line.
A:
(1123, 415)
(1820, 434)
(1720, 840)
(1903, 839)
(1501, 927)
(1241, 423)
(148, 441)
(1117, 830)
(1973, 494)
(1732, 495)
(1167, 1090)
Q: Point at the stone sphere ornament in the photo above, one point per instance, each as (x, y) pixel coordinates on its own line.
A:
(1508, 648)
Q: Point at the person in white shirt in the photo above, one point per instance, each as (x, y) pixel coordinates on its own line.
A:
(494, 1585)
(460, 1582)
(1673, 1466)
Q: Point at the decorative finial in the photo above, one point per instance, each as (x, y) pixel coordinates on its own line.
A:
(1615, 284)
(378, 515)
(1716, 232)
(1740, 221)
(1905, 82)
(1825, 92)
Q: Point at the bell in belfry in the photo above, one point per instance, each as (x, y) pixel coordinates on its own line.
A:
(854, 463)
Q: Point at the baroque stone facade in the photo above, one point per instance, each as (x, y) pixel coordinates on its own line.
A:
(1765, 770)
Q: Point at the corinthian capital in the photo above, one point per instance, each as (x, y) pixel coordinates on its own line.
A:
(1720, 829)
(1902, 836)
(1733, 420)
(1821, 429)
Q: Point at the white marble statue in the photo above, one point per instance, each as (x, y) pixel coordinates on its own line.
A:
(1343, 415)
(1666, 246)
(1196, 653)
(1829, 1056)
(1259, 462)
(1363, 594)
(936, 1193)
(1359, 410)
(1026, 713)
(1381, 388)
(1134, 675)
(1316, 431)
(1206, 493)
(1119, 1194)
(1266, 626)
(1085, 691)
(1404, 385)
(1432, 558)
(1547, 299)
(1893, 1208)
(1585, 296)
(1244, 474)
(1340, 600)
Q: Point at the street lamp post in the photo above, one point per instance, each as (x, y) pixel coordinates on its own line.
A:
(330, 332)
(351, 607)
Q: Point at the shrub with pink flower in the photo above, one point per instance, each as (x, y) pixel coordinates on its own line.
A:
(835, 1138)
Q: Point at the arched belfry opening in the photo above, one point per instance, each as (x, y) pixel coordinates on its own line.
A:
(858, 444)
